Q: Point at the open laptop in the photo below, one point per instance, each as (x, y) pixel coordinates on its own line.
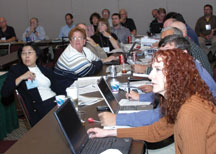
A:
(78, 139)
(123, 105)
(116, 62)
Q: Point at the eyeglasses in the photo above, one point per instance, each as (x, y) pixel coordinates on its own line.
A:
(77, 38)
(27, 53)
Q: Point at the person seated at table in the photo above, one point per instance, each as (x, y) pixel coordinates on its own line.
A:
(76, 60)
(94, 19)
(7, 33)
(127, 22)
(174, 16)
(35, 83)
(121, 32)
(157, 24)
(69, 25)
(94, 47)
(133, 119)
(34, 32)
(103, 37)
(187, 104)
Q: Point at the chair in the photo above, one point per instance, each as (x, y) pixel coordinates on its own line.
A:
(21, 102)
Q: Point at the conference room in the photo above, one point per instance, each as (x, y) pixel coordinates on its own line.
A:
(113, 88)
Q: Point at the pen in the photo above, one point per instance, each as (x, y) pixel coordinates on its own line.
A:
(128, 84)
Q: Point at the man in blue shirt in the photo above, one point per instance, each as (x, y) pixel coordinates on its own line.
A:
(69, 25)
(148, 117)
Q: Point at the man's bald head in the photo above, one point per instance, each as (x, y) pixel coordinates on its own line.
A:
(170, 31)
(181, 26)
(3, 22)
(168, 22)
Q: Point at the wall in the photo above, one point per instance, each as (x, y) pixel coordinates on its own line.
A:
(51, 12)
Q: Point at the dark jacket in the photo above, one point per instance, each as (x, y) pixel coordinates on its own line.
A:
(35, 106)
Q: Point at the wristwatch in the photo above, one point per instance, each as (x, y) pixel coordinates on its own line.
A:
(110, 37)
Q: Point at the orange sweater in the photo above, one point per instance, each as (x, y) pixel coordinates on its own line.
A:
(194, 130)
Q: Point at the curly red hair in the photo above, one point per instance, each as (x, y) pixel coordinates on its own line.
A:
(182, 81)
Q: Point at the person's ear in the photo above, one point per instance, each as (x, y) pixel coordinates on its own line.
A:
(185, 51)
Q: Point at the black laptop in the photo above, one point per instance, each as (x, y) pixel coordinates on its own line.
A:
(116, 62)
(124, 106)
(78, 139)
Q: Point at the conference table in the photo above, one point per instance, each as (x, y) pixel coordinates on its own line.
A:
(46, 136)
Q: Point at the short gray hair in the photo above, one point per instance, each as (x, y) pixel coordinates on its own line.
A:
(175, 30)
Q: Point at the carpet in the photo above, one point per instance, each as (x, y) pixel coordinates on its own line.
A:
(5, 145)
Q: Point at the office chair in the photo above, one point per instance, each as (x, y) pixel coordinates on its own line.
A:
(21, 102)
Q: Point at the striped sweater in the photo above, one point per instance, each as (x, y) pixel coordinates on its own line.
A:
(79, 64)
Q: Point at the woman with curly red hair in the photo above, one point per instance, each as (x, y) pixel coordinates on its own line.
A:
(187, 104)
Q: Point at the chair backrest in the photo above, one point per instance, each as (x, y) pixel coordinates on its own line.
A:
(21, 102)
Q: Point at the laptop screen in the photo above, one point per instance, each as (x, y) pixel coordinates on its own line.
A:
(108, 96)
(71, 126)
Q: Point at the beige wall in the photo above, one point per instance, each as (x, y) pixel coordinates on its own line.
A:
(51, 12)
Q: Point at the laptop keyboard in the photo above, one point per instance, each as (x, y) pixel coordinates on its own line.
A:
(98, 145)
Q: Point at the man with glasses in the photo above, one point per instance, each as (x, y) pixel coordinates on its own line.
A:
(34, 32)
(106, 15)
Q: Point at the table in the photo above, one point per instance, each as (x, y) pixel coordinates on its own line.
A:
(46, 137)
(8, 115)
(7, 60)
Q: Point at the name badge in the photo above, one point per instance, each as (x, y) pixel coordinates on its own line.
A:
(31, 84)
(106, 49)
(3, 38)
(208, 27)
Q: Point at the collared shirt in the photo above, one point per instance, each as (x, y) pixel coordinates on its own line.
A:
(200, 55)
(122, 33)
(9, 33)
(65, 30)
(200, 27)
(41, 34)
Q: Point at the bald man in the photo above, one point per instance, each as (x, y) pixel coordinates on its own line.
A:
(197, 52)
(7, 33)
(174, 16)
(127, 22)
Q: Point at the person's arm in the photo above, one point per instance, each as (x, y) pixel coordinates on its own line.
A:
(138, 119)
(12, 39)
(156, 132)
(40, 33)
(113, 41)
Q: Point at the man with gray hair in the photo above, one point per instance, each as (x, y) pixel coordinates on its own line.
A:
(34, 31)
(196, 51)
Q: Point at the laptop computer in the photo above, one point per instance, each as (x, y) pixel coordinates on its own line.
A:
(116, 62)
(77, 137)
(123, 105)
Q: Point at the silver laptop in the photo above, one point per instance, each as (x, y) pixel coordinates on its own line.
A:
(78, 139)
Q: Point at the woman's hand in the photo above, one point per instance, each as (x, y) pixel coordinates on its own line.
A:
(108, 59)
(25, 76)
(106, 34)
(98, 132)
(133, 95)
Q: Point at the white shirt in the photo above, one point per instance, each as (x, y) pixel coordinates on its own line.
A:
(43, 84)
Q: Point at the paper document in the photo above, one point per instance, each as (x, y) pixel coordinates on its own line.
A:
(88, 84)
(140, 75)
(83, 100)
(126, 102)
